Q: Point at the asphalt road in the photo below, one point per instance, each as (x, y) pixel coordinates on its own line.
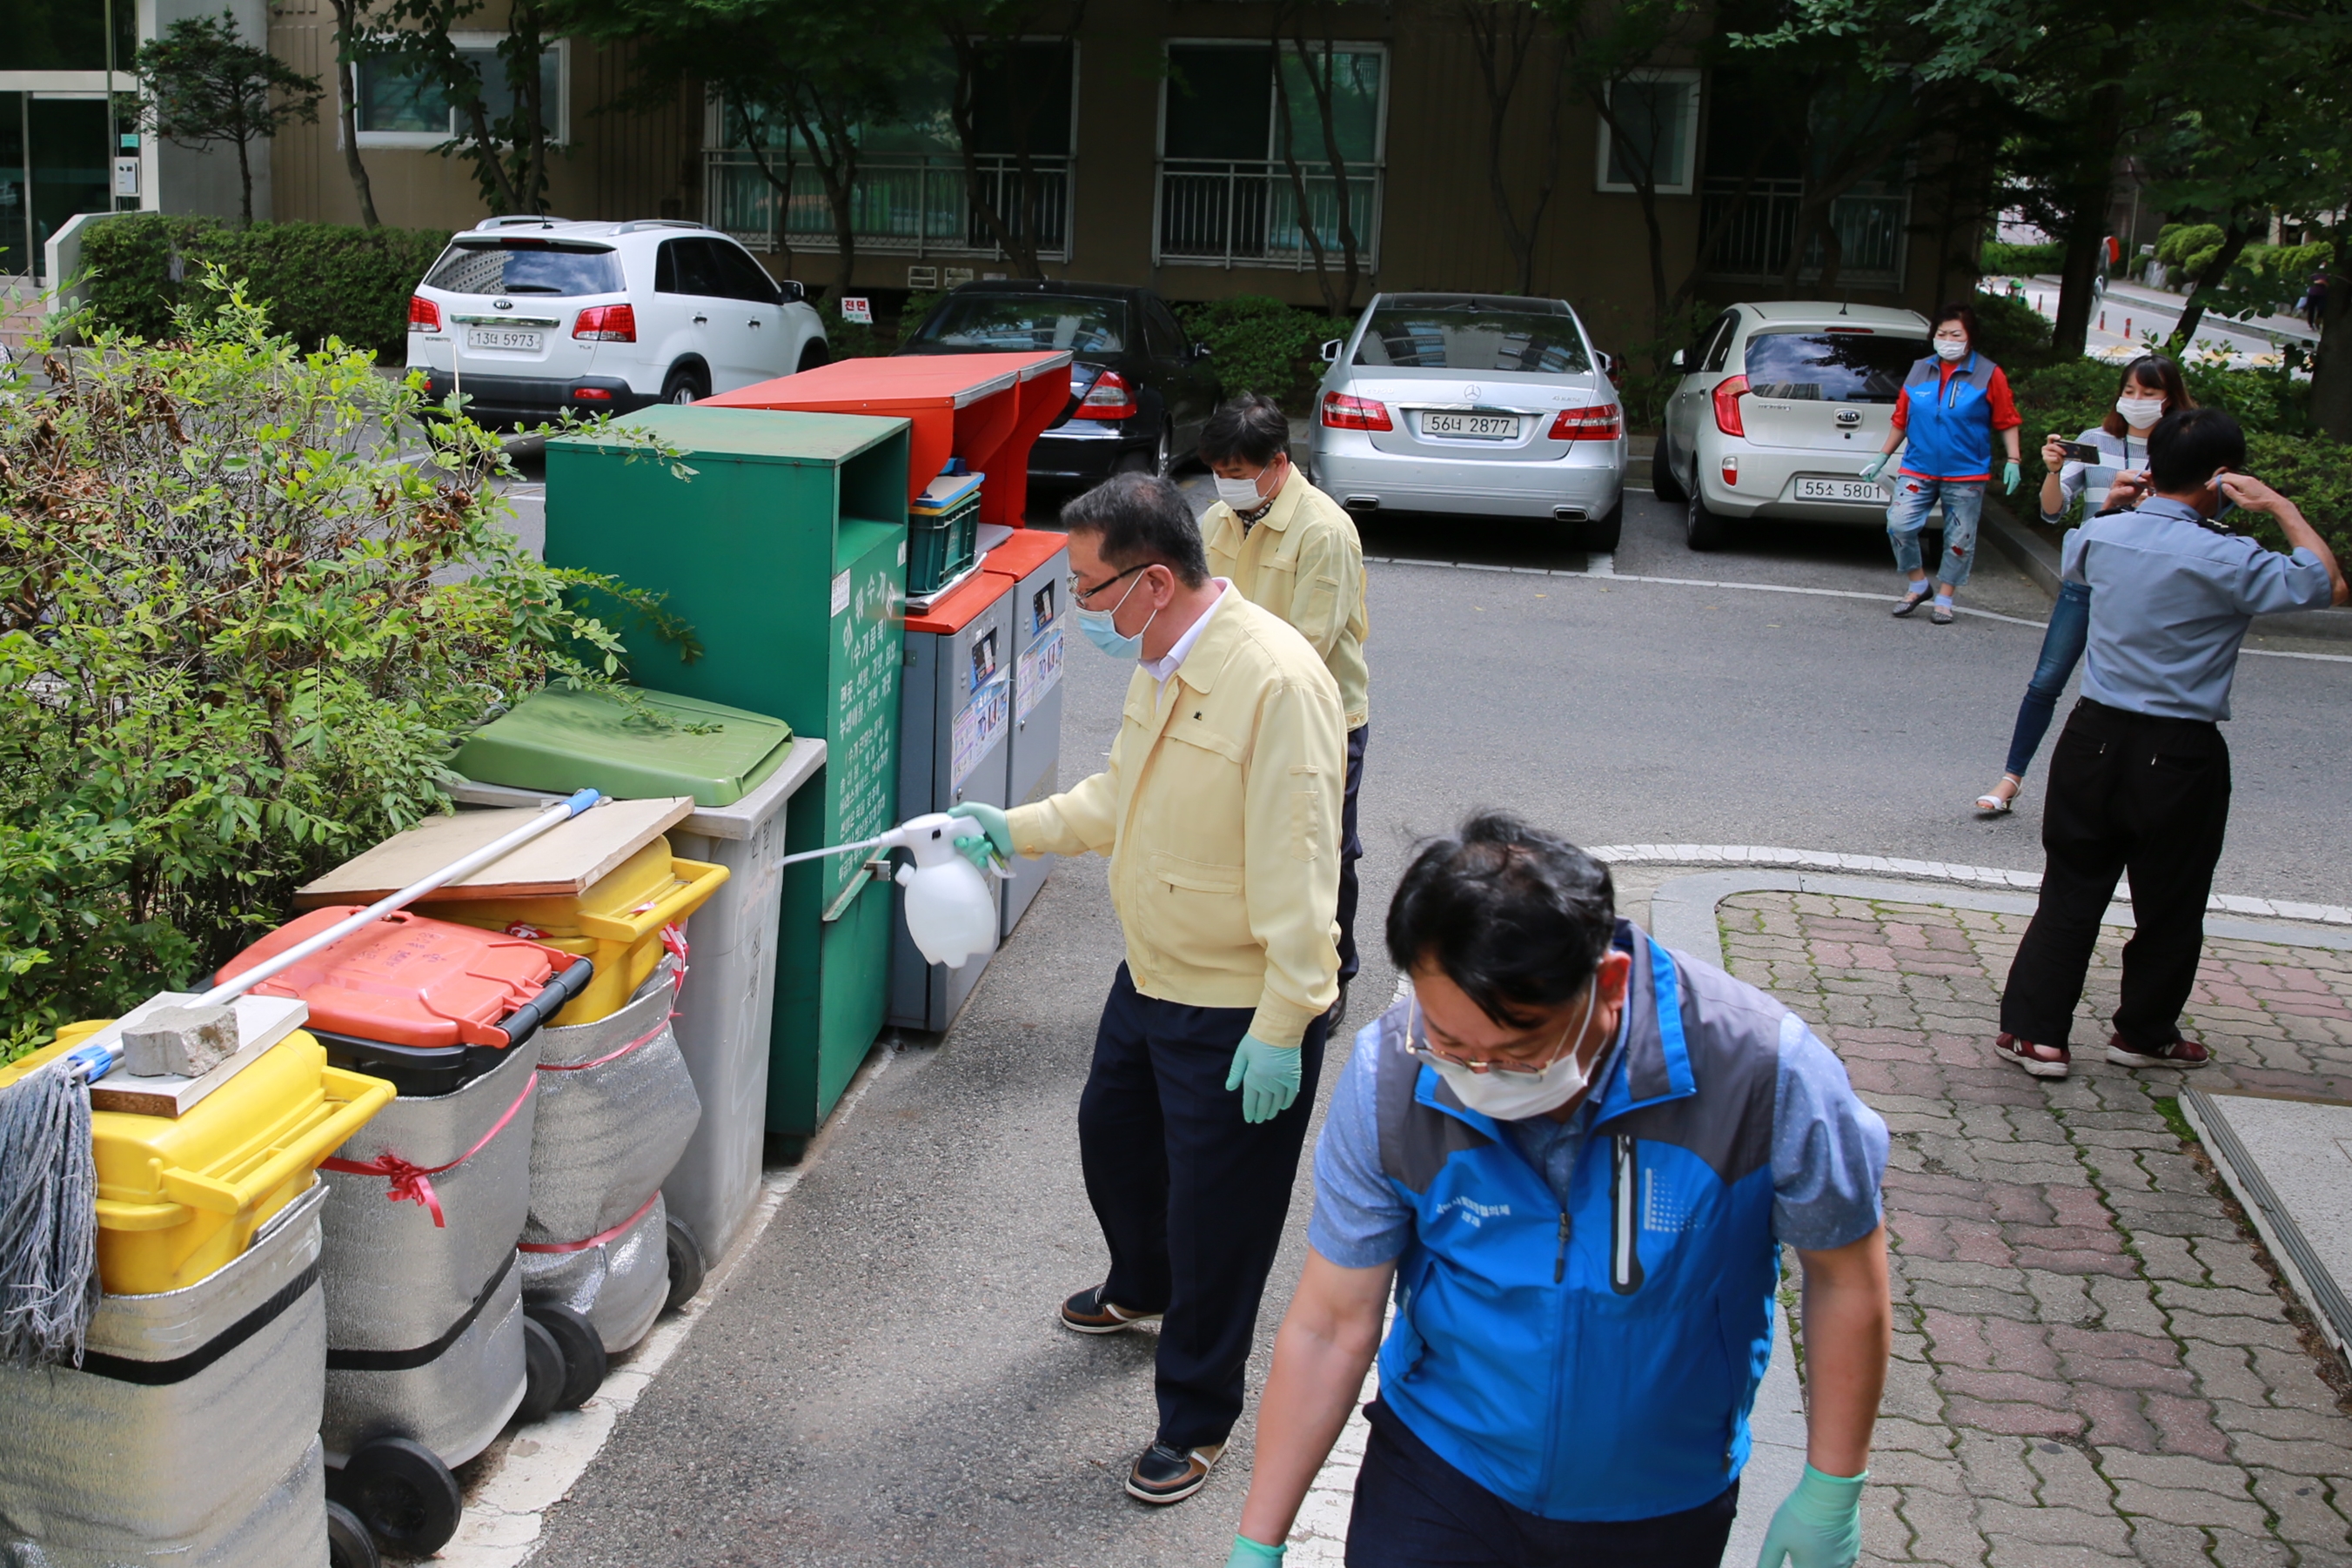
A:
(883, 1380)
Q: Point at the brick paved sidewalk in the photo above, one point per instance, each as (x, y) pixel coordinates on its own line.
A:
(2093, 1364)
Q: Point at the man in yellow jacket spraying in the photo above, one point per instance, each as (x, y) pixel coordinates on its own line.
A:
(1219, 814)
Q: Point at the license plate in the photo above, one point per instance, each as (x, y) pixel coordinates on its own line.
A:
(1479, 426)
(502, 337)
(1841, 489)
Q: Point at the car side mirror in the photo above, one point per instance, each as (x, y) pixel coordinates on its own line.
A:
(793, 291)
(1676, 358)
(1331, 349)
(1200, 350)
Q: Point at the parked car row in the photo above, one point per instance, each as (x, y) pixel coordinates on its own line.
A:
(1477, 405)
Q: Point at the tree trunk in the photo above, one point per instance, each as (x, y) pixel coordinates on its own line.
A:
(530, 39)
(836, 166)
(1499, 36)
(2234, 239)
(1349, 250)
(489, 168)
(346, 62)
(1298, 188)
(245, 176)
(2086, 219)
(2331, 371)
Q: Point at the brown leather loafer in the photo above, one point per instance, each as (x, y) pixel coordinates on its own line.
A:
(1164, 1475)
(2028, 1055)
(2178, 1054)
(1089, 1313)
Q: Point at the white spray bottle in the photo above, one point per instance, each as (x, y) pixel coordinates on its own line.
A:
(951, 909)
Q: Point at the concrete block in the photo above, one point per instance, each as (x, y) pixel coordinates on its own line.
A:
(181, 1042)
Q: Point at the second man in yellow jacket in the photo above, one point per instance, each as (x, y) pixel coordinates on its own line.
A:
(1291, 549)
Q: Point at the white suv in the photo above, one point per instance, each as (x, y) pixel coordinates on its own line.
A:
(527, 316)
(1780, 407)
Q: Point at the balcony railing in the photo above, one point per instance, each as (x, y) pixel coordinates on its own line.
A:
(1226, 214)
(1871, 227)
(909, 203)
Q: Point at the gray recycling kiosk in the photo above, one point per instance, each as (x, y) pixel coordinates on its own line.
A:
(955, 721)
(1038, 562)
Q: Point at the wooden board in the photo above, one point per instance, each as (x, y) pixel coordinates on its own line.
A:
(261, 1023)
(564, 860)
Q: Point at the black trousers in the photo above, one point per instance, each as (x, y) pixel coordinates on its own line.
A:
(2128, 792)
(1415, 1510)
(1351, 849)
(1191, 1199)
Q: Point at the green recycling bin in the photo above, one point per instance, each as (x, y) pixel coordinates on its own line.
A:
(564, 741)
(785, 551)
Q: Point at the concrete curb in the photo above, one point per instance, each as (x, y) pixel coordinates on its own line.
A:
(2038, 558)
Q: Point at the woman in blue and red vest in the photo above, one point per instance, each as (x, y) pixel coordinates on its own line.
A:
(1949, 406)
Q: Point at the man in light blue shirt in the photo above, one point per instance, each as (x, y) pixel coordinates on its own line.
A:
(2141, 779)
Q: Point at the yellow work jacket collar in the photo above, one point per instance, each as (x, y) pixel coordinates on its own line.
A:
(1221, 634)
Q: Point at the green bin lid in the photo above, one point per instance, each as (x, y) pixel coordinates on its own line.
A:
(561, 741)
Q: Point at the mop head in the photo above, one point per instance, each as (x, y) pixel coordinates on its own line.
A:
(49, 1218)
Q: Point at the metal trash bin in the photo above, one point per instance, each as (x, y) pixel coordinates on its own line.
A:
(189, 1436)
(616, 1106)
(1038, 562)
(955, 719)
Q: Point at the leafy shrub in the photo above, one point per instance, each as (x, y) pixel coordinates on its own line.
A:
(2190, 247)
(229, 654)
(2001, 259)
(1260, 344)
(2314, 472)
(2015, 334)
(319, 281)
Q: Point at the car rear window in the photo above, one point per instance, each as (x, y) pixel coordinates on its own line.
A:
(525, 266)
(1028, 321)
(1468, 336)
(1829, 367)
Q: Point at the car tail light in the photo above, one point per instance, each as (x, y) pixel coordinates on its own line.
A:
(592, 393)
(1731, 470)
(1598, 423)
(1108, 398)
(606, 324)
(1341, 411)
(1727, 394)
(423, 315)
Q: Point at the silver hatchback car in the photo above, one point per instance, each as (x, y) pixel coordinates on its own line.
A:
(1780, 408)
(1482, 404)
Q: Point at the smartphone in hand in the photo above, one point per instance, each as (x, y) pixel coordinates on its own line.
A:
(2081, 452)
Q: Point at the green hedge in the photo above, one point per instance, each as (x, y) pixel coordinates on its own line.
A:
(318, 279)
(1257, 343)
(2001, 259)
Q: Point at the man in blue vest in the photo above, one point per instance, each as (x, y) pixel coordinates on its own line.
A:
(1577, 1155)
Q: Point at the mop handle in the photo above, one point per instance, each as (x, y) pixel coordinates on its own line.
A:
(562, 811)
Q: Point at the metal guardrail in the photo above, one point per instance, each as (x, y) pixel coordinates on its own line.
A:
(1245, 213)
(1872, 230)
(908, 204)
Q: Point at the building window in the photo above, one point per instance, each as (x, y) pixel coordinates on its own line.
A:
(912, 195)
(1229, 194)
(400, 107)
(1656, 133)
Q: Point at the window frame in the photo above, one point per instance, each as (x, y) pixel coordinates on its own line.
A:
(1380, 159)
(1692, 81)
(559, 123)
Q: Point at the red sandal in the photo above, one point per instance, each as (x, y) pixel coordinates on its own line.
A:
(2026, 1054)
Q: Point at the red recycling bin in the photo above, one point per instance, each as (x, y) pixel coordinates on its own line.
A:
(983, 409)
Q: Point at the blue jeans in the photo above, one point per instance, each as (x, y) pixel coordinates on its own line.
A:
(2061, 649)
(1963, 503)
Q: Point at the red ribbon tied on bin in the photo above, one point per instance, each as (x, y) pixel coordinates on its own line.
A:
(412, 1183)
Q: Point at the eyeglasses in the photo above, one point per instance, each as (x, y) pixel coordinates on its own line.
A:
(1080, 595)
(1418, 1044)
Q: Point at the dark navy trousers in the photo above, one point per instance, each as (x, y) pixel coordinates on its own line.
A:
(1191, 1199)
(1351, 849)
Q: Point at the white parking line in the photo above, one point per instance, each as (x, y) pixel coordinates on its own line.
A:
(1604, 565)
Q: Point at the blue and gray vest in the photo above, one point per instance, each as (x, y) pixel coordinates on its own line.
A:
(1947, 424)
(1596, 1363)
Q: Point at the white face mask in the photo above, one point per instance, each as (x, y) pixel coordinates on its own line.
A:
(1518, 1096)
(2139, 413)
(1947, 349)
(1239, 494)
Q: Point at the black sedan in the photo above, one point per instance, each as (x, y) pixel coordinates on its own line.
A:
(1138, 392)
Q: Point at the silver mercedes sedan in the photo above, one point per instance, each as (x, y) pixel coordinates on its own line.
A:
(1482, 404)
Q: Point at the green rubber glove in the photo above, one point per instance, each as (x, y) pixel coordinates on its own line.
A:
(1877, 466)
(1819, 1525)
(1267, 1077)
(2010, 474)
(998, 844)
(1248, 1553)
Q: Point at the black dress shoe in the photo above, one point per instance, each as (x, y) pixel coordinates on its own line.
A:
(1166, 1475)
(1088, 1313)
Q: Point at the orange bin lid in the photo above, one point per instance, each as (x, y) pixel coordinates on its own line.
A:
(985, 408)
(963, 603)
(406, 980)
(1028, 549)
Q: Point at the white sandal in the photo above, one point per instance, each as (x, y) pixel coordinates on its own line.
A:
(1993, 805)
